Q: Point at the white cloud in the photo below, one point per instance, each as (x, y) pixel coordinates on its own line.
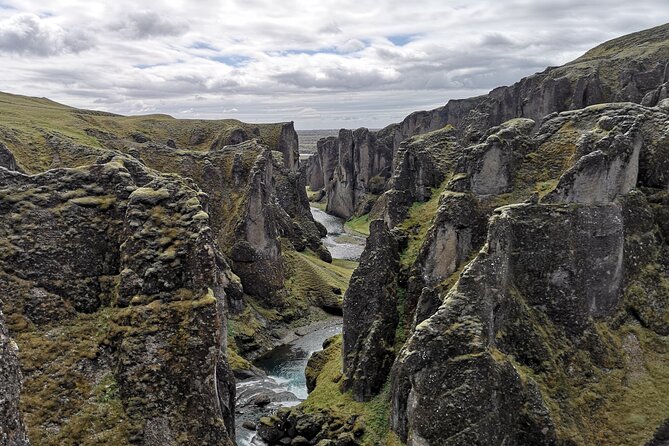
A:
(145, 24)
(324, 64)
(28, 34)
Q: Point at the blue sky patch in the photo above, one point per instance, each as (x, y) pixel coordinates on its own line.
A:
(401, 39)
(234, 60)
(202, 46)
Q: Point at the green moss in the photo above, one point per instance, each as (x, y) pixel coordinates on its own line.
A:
(327, 396)
(618, 400)
(59, 392)
(418, 222)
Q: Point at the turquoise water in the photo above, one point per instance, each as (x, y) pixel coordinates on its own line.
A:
(284, 366)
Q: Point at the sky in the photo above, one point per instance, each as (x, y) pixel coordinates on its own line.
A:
(321, 63)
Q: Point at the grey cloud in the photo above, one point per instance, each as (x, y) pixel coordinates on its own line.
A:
(330, 28)
(334, 78)
(28, 34)
(145, 24)
(496, 39)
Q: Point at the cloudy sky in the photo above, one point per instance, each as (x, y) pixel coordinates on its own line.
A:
(321, 63)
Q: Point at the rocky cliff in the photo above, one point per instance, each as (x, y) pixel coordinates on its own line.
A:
(130, 253)
(250, 174)
(113, 287)
(631, 68)
(539, 322)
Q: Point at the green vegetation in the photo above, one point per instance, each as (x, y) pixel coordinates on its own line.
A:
(359, 224)
(315, 281)
(312, 195)
(327, 396)
(43, 134)
(611, 389)
(418, 222)
(58, 391)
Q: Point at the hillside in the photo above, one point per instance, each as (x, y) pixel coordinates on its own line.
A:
(33, 127)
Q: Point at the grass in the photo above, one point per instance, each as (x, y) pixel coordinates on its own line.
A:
(418, 222)
(327, 396)
(26, 123)
(359, 224)
(309, 274)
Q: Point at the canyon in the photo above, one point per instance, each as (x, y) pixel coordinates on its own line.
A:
(513, 288)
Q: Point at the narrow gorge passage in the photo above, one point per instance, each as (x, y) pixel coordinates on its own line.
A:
(284, 383)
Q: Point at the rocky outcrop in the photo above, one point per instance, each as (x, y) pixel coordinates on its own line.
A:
(566, 269)
(549, 277)
(12, 431)
(604, 74)
(370, 315)
(319, 359)
(359, 163)
(113, 285)
(254, 200)
(299, 429)
(421, 164)
(7, 159)
(458, 229)
(313, 172)
(300, 228)
(288, 145)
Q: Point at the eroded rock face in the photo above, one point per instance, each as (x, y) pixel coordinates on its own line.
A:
(458, 229)
(561, 264)
(289, 146)
(359, 163)
(120, 263)
(561, 271)
(370, 315)
(12, 431)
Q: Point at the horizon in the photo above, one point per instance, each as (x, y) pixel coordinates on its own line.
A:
(334, 65)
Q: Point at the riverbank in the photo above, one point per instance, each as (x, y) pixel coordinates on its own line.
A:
(278, 378)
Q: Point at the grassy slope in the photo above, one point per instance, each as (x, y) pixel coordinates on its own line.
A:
(26, 123)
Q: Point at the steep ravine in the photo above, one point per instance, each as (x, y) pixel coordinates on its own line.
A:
(279, 377)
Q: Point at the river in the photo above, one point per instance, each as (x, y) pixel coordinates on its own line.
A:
(284, 383)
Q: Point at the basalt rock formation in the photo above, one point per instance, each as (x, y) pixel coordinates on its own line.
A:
(121, 263)
(632, 68)
(113, 287)
(7, 158)
(553, 330)
(250, 173)
(370, 321)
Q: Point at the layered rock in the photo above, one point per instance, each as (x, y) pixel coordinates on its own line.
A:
(12, 430)
(119, 264)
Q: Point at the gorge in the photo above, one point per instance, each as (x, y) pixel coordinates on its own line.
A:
(498, 268)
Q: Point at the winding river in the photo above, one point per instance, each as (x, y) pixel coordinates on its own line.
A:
(283, 383)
